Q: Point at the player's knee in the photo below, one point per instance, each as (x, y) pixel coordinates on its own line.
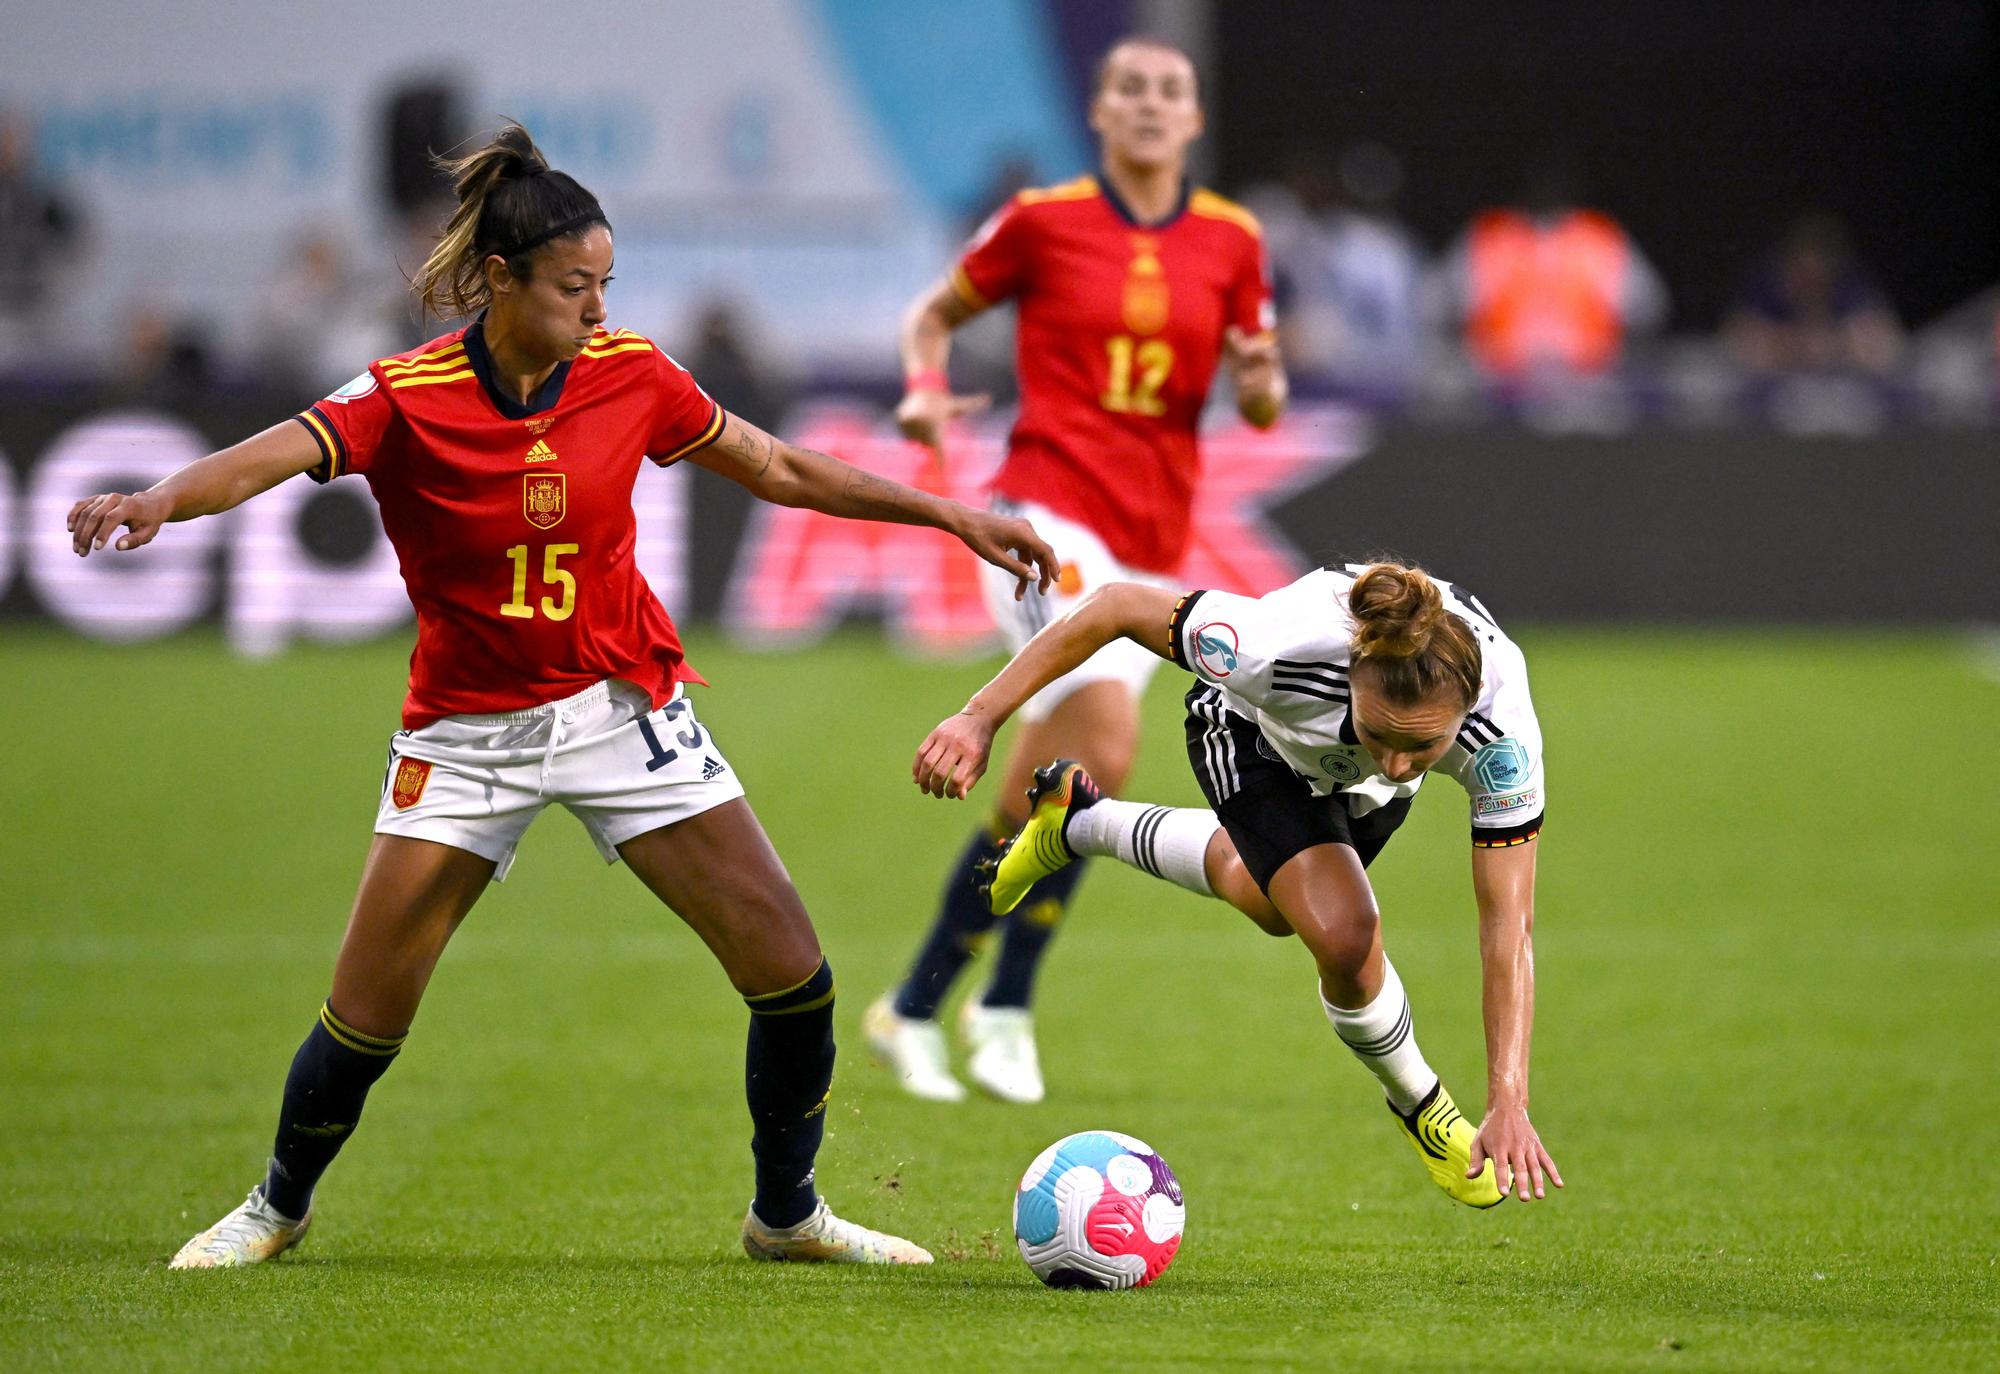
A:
(1342, 941)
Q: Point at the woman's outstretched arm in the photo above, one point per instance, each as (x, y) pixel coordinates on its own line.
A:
(207, 486)
(954, 756)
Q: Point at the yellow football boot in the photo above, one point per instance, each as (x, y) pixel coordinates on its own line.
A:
(1444, 1137)
(1059, 791)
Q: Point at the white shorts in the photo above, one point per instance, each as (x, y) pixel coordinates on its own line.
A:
(1086, 563)
(476, 782)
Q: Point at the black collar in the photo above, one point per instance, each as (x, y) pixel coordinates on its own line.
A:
(1124, 211)
(546, 395)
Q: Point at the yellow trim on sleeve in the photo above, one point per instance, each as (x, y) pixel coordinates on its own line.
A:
(434, 356)
(709, 434)
(1209, 205)
(431, 381)
(1082, 188)
(1507, 843)
(609, 350)
(967, 292)
(457, 360)
(329, 444)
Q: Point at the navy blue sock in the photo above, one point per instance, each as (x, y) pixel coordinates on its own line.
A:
(788, 1076)
(330, 1078)
(962, 923)
(1030, 927)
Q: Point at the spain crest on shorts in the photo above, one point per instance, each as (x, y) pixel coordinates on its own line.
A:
(542, 499)
(408, 788)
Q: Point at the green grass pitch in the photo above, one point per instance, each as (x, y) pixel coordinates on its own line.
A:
(1769, 947)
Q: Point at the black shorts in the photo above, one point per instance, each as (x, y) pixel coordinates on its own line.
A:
(1269, 811)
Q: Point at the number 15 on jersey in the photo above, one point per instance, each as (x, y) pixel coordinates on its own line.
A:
(560, 607)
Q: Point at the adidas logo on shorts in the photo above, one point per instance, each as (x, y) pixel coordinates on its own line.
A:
(710, 769)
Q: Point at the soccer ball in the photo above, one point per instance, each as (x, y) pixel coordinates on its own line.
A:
(1098, 1210)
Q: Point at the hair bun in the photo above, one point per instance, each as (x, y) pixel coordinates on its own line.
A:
(1396, 611)
(521, 158)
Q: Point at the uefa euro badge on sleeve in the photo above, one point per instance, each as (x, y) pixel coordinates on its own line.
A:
(542, 499)
(1215, 647)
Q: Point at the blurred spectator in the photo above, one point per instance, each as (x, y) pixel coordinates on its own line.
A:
(1550, 288)
(320, 322)
(1812, 307)
(39, 228)
(1352, 304)
(162, 362)
(1011, 174)
(724, 358)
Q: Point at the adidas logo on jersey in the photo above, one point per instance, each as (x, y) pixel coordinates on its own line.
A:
(541, 453)
(710, 769)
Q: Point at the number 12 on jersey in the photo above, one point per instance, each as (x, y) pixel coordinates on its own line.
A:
(552, 576)
(1138, 371)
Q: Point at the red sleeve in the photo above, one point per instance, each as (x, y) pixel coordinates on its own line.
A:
(348, 427)
(1250, 307)
(684, 418)
(995, 263)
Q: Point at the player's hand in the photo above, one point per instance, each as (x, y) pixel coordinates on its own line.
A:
(1008, 541)
(1256, 370)
(924, 413)
(93, 520)
(1519, 1162)
(953, 758)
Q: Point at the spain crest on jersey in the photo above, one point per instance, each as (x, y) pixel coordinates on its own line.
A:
(1147, 302)
(408, 790)
(542, 499)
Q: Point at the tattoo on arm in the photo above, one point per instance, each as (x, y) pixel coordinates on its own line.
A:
(757, 450)
(876, 497)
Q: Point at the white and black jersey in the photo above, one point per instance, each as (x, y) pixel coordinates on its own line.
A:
(1281, 662)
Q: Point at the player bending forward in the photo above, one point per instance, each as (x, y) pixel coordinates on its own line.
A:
(503, 457)
(1318, 711)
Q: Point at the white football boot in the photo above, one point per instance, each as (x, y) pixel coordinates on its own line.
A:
(1001, 1045)
(824, 1238)
(913, 1049)
(251, 1234)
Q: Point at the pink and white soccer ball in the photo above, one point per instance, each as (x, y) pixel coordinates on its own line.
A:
(1099, 1209)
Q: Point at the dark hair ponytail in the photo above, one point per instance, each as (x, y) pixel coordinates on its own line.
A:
(510, 202)
(1404, 632)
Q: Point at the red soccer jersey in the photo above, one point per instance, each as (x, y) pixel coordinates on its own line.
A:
(513, 524)
(1119, 333)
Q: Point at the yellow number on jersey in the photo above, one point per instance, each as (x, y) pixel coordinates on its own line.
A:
(517, 605)
(1152, 361)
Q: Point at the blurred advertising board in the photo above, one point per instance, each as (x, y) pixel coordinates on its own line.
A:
(303, 562)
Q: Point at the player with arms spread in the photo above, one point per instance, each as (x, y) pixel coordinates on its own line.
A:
(1130, 287)
(502, 456)
(1318, 712)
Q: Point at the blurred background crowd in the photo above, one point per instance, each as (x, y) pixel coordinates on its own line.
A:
(1816, 247)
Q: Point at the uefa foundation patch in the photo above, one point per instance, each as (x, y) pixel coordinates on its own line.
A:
(411, 775)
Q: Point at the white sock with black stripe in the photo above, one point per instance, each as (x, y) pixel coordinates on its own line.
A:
(1168, 842)
(1381, 1037)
